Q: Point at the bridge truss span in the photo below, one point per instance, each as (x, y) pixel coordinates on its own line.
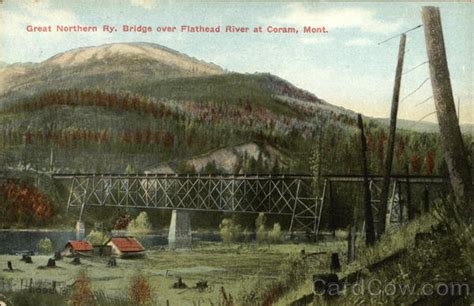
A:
(289, 195)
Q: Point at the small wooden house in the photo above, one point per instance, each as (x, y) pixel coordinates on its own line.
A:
(77, 247)
(126, 247)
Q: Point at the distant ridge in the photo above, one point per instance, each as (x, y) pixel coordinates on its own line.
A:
(423, 126)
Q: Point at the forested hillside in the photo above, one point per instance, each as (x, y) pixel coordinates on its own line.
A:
(110, 109)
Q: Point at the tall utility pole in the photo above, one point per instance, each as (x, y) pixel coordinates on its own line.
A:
(455, 154)
(391, 137)
(369, 218)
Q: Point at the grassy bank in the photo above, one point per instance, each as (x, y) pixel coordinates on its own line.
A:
(238, 268)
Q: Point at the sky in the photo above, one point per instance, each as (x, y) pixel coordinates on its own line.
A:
(345, 67)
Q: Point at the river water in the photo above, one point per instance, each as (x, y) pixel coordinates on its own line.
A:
(13, 241)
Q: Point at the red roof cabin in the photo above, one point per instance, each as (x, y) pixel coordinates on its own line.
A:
(77, 247)
(126, 247)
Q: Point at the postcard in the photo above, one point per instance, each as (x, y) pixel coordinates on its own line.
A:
(157, 152)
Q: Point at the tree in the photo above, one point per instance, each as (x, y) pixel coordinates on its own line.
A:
(275, 235)
(45, 246)
(138, 136)
(129, 169)
(429, 163)
(415, 163)
(23, 204)
(261, 233)
(229, 231)
(97, 237)
(140, 226)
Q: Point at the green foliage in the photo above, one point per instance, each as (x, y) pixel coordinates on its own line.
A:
(443, 256)
(229, 231)
(129, 169)
(97, 237)
(26, 298)
(293, 272)
(45, 246)
(185, 168)
(140, 225)
(261, 232)
(275, 235)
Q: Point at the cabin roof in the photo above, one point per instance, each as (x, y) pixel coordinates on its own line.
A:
(80, 245)
(127, 244)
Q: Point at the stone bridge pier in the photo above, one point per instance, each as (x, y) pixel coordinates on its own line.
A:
(179, 236)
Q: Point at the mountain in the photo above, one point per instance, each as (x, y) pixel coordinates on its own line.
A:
(102, 66)
(143, 106)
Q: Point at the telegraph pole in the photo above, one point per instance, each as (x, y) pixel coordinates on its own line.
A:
(455, 154)
(391, 137)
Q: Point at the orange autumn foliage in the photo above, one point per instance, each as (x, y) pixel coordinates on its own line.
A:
(82, 294)
(24, 204)
(140, 291)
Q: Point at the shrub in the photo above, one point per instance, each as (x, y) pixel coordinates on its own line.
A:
(261, 233)
(97, 237)
(229, 231)
(45, 246)
(247, 235)
(82, 294)
(140, 226)
(140, 291)
(275, 235)
(341, 234)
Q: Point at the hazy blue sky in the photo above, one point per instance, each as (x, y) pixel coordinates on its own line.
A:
(345, 66)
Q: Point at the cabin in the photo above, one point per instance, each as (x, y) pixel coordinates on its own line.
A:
(126, 247)
(77, 247)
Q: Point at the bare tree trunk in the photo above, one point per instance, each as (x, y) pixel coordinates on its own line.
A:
(455, 154)
(409, 204)
(351, 243)
(391, 137)
(369, 217)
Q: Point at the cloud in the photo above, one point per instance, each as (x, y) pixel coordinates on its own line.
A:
(359, 42)
(315, 40)
(35, 13)
(18, 43)
(362, 19)
(146, 4)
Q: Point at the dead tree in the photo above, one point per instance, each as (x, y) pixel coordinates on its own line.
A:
(369, 217)
(351, 243)
(455, 154)
(409, 204)
(391, 137)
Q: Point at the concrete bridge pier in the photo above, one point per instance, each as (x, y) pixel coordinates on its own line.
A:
(179, 236)
(80, 230)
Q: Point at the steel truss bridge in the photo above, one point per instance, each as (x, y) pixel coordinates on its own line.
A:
(289, 195)
(397, 197)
